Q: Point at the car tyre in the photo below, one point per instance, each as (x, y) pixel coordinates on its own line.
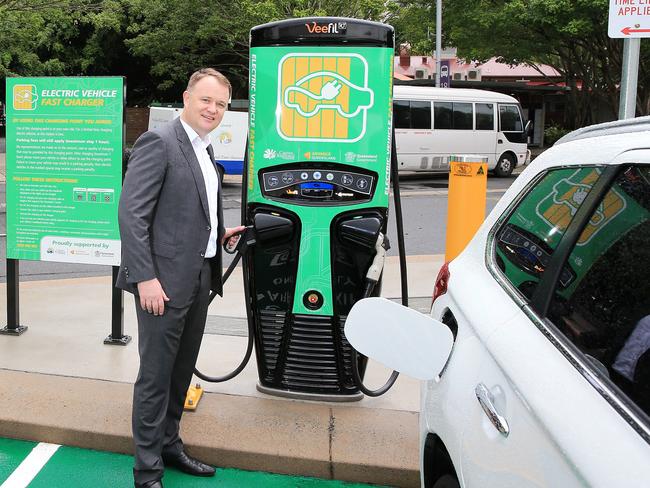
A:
(447, 481)
(505, 165)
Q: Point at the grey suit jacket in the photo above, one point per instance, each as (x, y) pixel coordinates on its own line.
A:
(163, 216)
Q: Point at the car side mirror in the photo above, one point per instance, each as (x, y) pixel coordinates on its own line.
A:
(398, 337)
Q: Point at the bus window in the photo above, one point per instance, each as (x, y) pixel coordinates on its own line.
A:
(442, 115)
(463, 118)
(412, 115)
(401, 114)
(420, 115)
(484, 116)
(510, 118)
(448, 115)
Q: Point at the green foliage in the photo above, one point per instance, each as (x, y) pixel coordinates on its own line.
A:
(570, 35)
(553, 133)
(179, 36)
(414, 23)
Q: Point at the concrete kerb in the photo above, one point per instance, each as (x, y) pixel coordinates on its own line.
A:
(287, 437)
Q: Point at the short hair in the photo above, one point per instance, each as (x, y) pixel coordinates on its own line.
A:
(203, 72)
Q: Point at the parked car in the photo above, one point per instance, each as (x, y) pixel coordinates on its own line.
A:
(547, 383)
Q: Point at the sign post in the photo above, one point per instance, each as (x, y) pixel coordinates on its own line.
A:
(629, 20)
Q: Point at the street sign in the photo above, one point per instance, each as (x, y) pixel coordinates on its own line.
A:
(444, 74)
(629, 18)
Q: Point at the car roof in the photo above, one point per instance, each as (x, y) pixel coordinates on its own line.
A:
(638, 124)
(594, 145)
(430, 92)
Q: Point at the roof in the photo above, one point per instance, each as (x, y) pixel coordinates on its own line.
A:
(429, 92)
(491, 68)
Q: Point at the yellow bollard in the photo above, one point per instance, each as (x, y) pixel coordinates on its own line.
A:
(465, 202)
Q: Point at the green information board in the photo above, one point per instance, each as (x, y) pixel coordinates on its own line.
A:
(64, 168)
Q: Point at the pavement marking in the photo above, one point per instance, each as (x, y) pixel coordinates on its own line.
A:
(31, 465)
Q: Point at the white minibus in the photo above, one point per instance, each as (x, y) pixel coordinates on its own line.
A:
(432, 124)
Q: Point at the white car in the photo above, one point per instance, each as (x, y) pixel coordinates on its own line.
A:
(547, 383)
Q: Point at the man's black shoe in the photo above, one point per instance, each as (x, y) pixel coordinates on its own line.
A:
(150, 484)
(189, 465)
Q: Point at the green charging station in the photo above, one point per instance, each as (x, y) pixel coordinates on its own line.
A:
(316, 190)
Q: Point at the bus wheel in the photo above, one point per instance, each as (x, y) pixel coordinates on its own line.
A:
(505, 165)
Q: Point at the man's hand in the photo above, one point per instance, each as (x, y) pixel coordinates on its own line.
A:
(152, 296)
(232, 231)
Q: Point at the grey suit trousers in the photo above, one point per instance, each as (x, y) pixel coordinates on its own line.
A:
(168, 347)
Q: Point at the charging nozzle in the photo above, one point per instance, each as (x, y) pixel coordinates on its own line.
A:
(377, 266)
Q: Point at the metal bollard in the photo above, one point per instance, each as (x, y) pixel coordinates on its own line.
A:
(466, 201)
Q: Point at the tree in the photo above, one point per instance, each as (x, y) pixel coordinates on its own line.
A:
(69, 38)
(178, 36)
(414, 23)
(570, 35)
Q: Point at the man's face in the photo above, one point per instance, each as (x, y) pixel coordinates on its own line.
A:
(205, 105)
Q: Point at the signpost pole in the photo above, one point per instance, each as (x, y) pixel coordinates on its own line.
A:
(629, 78)
(13, 302)
(630, 22)
(117, 337)
(438, 39)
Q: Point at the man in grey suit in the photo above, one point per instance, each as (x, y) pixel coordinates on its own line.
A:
(171, 225)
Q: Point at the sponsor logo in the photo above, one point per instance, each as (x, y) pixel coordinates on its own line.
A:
(323, 97)
(329, 28)
(25, 97)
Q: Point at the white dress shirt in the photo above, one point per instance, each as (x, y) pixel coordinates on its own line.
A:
(211, 179)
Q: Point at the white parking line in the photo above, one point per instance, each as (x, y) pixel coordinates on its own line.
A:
(31, 465)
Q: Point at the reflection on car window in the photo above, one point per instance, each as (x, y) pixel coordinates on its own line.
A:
(525, 243)
(605, 311)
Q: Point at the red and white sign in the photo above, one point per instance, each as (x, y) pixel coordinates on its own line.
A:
(629, 18)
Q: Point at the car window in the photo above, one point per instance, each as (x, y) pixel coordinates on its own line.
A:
(527, 239)
(605, 310)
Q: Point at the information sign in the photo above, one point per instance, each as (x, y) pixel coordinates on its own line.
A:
(629, 18)
(64, 168)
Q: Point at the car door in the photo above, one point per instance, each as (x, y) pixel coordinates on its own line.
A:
(547, 412)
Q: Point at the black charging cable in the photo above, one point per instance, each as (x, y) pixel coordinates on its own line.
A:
(370, 284)
(239, 244)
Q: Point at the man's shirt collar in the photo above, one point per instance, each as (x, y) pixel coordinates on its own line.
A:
(192, 134)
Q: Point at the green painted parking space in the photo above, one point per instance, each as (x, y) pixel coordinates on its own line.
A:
(12, 453)
(76, 467)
